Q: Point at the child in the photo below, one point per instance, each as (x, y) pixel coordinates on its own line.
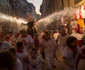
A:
(35, 60)
(71, 53)
(22, 55)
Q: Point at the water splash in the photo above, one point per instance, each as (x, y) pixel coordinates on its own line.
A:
(4, 17)
(55, 17)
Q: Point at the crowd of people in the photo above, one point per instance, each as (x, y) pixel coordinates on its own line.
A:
(23, 52)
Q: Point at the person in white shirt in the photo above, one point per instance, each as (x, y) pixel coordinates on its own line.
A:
(26, 39)
(50, 47)
(22, 55)
(35, 60)
(71, 53)
(12, 39)
(18, 62)
(61, 40)
(56, 34)
(82, 61)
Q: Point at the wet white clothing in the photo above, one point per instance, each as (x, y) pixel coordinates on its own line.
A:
(19, 64)
(50, 48)
(68, 53)
(26, 40)
(82, 61)
(35, 64)
(21, 56)
(5, 46)
(62, 42)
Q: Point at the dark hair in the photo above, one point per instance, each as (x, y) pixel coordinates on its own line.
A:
(7, 60)
(70, 40)
(10, 32)
(34, 49)
(13, 50)
(19, 45)
(47, 32)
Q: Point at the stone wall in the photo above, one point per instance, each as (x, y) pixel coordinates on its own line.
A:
(50, 6)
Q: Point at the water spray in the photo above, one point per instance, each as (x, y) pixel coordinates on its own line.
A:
(4, 17)
(56, 16)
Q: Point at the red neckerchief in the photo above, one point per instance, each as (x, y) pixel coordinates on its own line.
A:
(25, 36)
(47, 39)
(20, 51)
(10, 35)
(64, 35)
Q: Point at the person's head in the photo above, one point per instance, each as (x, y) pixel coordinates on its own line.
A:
(36, 35)
(20, 46)
(71, 42)
(13, 50)
(63, 31)
(23, 32)
(10, 33)
(47, 34)
(33, 53)
(7, 61)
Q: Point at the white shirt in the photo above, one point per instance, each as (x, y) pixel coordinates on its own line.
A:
(26, 40)
(5, 46)
(19, 64)
(36, 63)
(62, 42)
(55, 35)
(82, 61)
(69, 55)
(50, 47)
(21, 56)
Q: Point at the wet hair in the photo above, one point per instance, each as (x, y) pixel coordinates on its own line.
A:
(70, 40)
(13, 50)
(7, 60)
(19, 45)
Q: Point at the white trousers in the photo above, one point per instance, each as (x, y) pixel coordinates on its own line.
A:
(50, 62)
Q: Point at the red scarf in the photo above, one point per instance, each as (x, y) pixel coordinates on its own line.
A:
(20, 51)
(25, 36)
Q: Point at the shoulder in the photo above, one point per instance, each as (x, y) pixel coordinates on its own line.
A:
(66, 50)
(39, 58)
(6, 43)
(83, 47)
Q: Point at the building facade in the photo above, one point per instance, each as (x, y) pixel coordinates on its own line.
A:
(50, 6)
(4, 6)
